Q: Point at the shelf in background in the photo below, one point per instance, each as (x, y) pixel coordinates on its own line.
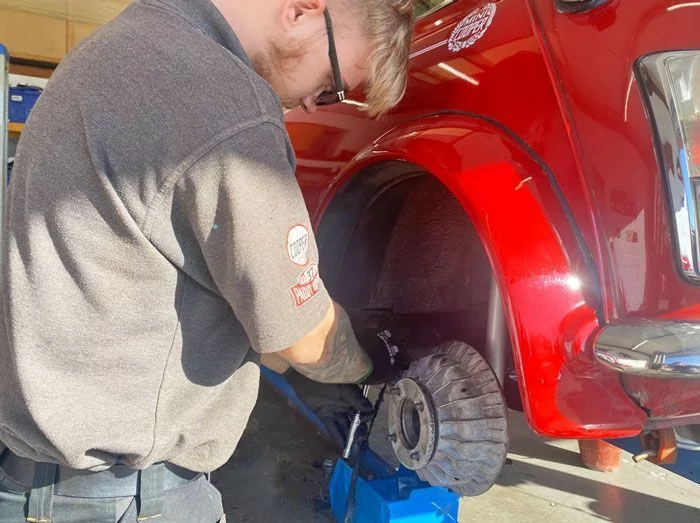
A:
(15, 129)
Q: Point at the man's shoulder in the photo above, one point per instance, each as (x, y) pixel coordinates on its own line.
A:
(156, 58)
(147, 95)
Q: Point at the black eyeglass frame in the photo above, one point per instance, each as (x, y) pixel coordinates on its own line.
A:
(330, 97)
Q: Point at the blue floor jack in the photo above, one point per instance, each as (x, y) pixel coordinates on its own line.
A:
(378, 493)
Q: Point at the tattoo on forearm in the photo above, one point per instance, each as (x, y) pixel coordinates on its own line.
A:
(344, 360)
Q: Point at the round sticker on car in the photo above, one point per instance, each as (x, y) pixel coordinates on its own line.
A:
(472, 28)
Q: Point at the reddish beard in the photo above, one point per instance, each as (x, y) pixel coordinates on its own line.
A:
(276, 64)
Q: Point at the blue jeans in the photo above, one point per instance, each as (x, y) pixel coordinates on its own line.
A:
(197, 501)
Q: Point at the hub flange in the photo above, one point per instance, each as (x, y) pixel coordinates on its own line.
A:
(412, 420)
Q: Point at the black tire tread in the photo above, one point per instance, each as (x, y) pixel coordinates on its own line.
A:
(472, 419)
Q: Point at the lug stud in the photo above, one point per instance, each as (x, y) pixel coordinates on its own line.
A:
(415, 456)
(391, 438)
(420, 407)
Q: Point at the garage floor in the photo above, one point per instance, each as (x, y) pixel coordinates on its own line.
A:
(276, 475)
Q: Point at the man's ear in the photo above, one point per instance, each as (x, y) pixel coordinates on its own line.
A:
(294, 10)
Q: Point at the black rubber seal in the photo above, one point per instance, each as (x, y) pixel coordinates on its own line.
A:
(593, 275)
(578, 6)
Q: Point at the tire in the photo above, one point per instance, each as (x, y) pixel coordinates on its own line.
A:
(458, 435)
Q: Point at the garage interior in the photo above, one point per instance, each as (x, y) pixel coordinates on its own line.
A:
(280, 470)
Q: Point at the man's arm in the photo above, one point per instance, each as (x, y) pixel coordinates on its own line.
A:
(241, 205)
(330, 353)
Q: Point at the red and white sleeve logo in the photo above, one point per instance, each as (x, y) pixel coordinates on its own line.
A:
(306, 287)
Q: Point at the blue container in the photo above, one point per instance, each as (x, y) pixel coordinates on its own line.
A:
(402, 497)
(22, 100)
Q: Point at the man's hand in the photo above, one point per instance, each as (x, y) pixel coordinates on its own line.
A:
(334, 404)
(334, 353)
(387, 361)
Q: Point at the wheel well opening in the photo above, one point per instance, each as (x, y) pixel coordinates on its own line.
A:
(398, 251)
(413, 253)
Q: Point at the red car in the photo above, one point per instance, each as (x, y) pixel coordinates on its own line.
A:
(534, 197)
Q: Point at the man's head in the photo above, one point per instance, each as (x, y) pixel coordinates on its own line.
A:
(288, 42)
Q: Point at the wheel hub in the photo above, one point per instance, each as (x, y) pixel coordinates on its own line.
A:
(412, 424)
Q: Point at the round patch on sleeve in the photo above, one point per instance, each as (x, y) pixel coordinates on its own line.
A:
(298, 245)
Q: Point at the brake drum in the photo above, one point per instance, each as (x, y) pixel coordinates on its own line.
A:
(448, 420)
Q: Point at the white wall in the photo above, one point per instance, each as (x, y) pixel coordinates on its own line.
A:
(16, 79)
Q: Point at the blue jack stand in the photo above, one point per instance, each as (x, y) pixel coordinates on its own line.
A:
(400, 497)
(388, 496)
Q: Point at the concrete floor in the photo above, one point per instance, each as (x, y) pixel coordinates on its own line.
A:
(276, 476)
(545, 482)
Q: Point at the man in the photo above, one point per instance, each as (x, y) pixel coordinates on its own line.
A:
(155, 232)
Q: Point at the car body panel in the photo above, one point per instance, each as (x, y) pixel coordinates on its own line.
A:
(593, 57)
(616, 143)
(515, 126)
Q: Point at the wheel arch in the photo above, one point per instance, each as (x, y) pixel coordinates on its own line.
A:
(550, 293)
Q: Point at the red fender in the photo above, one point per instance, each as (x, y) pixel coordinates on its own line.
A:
(532, 249)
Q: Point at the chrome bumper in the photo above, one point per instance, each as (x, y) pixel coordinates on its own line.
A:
(657, 349)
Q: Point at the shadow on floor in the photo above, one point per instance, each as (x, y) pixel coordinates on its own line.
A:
(547, 472)
(275, 473)
(609, 502)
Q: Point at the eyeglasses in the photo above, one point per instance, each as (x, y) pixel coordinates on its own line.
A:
(332, 97)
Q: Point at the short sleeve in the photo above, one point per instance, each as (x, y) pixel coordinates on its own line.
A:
(248, 218)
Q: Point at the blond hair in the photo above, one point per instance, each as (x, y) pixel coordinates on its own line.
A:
(389, 26)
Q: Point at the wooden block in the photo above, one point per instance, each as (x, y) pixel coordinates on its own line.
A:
(94, 12)
(599, 455)
(79, 30)
(29, 70)
(87, 11)
(15, 129)
(32, 36)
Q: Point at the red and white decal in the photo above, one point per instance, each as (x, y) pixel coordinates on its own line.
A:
(298, 245)
(472, 28)
(306, 287)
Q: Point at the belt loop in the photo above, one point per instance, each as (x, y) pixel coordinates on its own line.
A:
(150, 493)
(41, 493)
